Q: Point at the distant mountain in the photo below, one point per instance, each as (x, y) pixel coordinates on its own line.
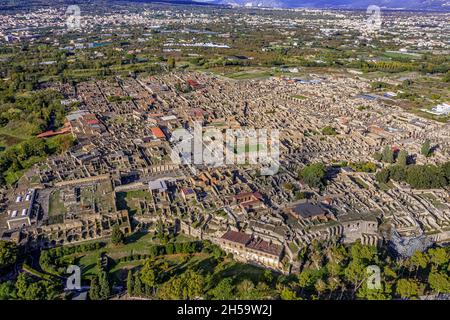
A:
(345, 4)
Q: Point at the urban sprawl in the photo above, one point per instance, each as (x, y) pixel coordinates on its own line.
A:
(363, 138)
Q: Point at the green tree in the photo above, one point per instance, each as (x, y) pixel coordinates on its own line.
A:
(50, 289)
(438, 256)
(94, 290)
(307, 278)
(402, 158)
(8, 291)
(130, 283)
(262, 291)
(188, 285)
(153, 251)
(446, 171)
(171, 63)
(105, 287)
(397, 173)
(314, 175)
(382, 176)
(148, 274)
(8, 253)
(425, 177)
(35, 292)
(224, 290)
(355, 273)
(117, 236)
(364, 253)
(419, 260)
(384, 293)
(246, 289)
(320, 286)
(267, 276)
(439, 282)
(426, 148)
(195, 284)
(378, 156)
(287, 294)
(329, 131)
(388, 154)
(407, 288)
(22, 285)
(138, 286)
(446, 77)
(337, 253)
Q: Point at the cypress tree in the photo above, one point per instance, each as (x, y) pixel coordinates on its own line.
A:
(94, 290)
(130, 283)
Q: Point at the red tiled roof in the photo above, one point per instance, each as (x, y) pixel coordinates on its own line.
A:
(253, 243)
(250, 204)
(193, 83)
(157, 132)
(52, 133)
(238, 237)
(47, 134)
(264, 246)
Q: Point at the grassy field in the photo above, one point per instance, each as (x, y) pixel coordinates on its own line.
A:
(248, 75)
(137, 243)
(16, 132)
(131, 200)
(56, 206)
(202, 262)
(399, 55)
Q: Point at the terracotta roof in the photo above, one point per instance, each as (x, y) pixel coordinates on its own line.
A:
(53, 133)
(193, 83)
(264, 246)
(238, 237)
(157, 132)
(249, 204)
(47, 134)
(253, 243)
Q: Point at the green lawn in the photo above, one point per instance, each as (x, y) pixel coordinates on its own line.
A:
(137, 243)
(56, 206)
(251, 74)
(238, 271)
(16, 132)
(131, 200)
(396, 55)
